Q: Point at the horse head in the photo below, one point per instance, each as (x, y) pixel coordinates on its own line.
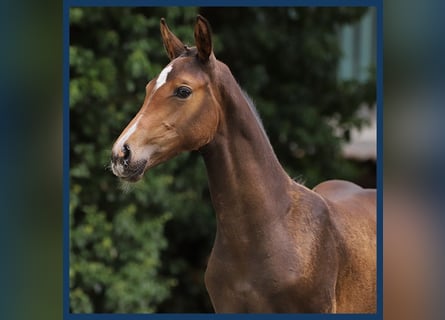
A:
(180, 111)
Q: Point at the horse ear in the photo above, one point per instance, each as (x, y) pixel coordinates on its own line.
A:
(203, 38)
(172, 44)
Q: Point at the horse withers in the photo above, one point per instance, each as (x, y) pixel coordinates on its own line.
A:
(279, 246)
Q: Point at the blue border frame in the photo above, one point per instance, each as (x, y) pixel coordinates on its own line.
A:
(379, 79)
(227, 3)
(67, 4)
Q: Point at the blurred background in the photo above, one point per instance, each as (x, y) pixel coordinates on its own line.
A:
(31, 229)
(311, 74)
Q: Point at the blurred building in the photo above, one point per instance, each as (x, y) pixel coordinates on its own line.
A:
(359, 47)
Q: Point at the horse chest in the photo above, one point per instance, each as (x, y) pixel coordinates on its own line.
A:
(241, 286)
(232, 293)
(271, 278)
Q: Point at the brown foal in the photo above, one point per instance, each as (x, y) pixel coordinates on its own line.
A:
(279, 246)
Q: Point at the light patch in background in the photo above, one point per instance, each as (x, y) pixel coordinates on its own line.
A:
(362, 145)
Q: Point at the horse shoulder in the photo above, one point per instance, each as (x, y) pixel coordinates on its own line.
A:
(316, 249)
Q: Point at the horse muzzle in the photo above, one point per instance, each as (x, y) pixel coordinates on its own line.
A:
(123, 166)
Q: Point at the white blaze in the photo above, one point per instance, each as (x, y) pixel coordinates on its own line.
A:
(120, 143)
(147, 151)
(162, 78)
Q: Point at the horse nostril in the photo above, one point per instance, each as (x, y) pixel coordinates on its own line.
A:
(126, 154)
(126, 151)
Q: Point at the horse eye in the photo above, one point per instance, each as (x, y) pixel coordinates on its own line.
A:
(183, 92)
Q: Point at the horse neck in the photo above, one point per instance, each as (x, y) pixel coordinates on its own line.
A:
(248, 186)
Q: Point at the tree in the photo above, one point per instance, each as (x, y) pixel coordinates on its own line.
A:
(287, 60)
(116, 238)
(145, 250)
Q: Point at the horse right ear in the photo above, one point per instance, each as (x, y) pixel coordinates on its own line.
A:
(203, 38)
(172, 44)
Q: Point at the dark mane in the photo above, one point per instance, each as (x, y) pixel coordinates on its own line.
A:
(253, 108)
(189, 51)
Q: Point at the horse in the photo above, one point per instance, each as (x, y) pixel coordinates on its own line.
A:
(279, 246)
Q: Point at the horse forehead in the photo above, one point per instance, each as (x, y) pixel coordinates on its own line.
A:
(184, 68)
(162, 78)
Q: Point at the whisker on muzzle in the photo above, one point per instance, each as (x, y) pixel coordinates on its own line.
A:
(126, 187)
(107, 166)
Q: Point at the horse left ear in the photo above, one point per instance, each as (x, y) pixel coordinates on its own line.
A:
(203, 38)
(172, 44)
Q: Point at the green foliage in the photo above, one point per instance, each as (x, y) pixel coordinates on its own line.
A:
(116, 238)
(145, 249)
(287, 59)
